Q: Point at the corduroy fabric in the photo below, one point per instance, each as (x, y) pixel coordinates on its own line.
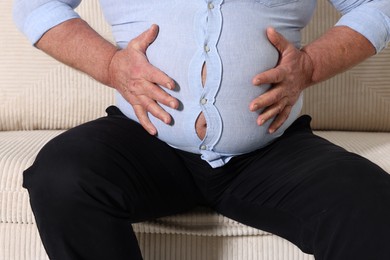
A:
(33, 97)
(22, 242)
(159, 247)
(37, 93)
(357, 100)
(20, 148)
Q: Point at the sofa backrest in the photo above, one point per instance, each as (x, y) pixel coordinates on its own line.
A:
(36, 92)
(357, 100)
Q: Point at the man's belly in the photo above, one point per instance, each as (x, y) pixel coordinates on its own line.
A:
(214, 115)
(193, 123)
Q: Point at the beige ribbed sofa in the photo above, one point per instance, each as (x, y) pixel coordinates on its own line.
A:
(39, 98)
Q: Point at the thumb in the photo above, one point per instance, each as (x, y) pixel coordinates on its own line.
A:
(146, 38)
(277, 40)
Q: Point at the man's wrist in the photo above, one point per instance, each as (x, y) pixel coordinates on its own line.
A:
(109, 78)
(308, 68)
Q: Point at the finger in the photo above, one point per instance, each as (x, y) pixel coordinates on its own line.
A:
(155, 109)
(272, 111)
(277, 40)
(154, 92)
(146, 38)
(280, 119)
(267, 99)
(272, 76)
(144, 120)
(155, 75)
(148, 105)
(151, 73)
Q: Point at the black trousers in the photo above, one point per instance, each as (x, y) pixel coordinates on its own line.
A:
(88, 185)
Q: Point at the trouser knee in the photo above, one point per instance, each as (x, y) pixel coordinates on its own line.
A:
(357, 224)
(53, 181)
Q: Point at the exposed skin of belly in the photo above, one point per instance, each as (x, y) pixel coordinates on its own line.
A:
(201, 124)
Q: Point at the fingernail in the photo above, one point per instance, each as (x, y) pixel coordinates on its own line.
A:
(152, 131)
(167, 120)
(271, 131)
(255, 107)
(172, 104)
(169, 86)
(261, 121)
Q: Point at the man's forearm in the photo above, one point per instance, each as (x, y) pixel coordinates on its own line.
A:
(76, 44)
(337, 50)
(127, 70)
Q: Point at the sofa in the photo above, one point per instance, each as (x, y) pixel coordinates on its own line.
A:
(40, 98)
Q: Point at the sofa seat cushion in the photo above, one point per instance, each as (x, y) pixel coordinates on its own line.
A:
(19, 148)
(375, 146)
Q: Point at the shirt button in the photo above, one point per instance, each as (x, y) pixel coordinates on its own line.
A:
(210, 6)
(203, 147)
(203, 101)
(206, 48)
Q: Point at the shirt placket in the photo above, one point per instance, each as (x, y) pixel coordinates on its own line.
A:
(209, 92)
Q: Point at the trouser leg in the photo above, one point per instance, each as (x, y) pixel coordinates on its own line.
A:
(329, 202)
(89, 184)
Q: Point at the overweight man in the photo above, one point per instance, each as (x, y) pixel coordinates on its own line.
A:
(208, 97)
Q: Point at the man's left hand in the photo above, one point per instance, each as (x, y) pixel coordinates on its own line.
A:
(289, 78)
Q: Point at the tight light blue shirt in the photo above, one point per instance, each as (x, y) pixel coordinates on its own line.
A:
(229, 37)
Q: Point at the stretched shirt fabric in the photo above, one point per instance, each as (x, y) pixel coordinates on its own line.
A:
(226, 35)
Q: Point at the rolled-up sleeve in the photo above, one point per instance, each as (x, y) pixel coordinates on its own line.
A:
(371, 18)
(35, 17)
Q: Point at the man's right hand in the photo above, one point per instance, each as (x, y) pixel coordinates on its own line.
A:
(77, 45)
(139, 82)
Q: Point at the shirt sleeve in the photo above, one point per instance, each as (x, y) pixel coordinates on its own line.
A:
(371, 18)
(35, 17)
